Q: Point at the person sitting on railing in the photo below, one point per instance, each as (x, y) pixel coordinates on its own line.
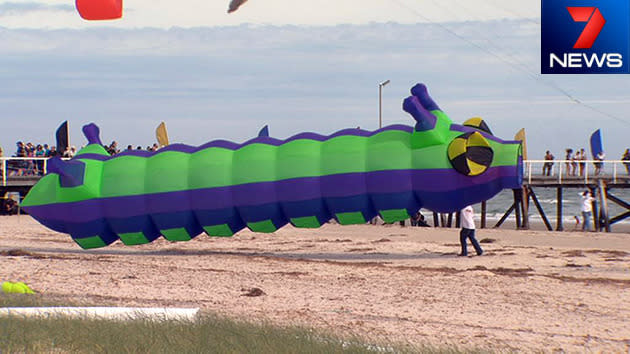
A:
(598, 165)
(548, 165)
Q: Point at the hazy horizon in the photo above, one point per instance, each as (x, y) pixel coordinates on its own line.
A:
(226, 82)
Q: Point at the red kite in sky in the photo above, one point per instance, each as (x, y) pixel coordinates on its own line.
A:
(99, 9)
(92, 10)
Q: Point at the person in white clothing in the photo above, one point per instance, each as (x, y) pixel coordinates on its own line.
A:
(468, 231)
(587, 210)
(598, 165)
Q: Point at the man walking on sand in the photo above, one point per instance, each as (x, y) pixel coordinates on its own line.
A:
(468, 232)
(587, 210)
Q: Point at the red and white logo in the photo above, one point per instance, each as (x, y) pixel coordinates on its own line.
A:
(595, 23)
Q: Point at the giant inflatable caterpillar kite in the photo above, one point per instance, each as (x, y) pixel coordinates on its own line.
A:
(221, 187)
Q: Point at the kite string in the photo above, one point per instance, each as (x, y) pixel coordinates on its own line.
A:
(515, 63)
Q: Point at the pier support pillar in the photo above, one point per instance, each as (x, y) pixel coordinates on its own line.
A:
(603, 206)
(559, 226)
(525, 208)
(595, 208)
(483, 214)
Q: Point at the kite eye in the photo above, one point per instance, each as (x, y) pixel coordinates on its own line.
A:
(478, 123)
(470, 154)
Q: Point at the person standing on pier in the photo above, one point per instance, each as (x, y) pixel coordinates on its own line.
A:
(468, 231)
(548, 165)
(626, 159)
(569, 160)
(587, 210)
(598, 165)
(582, 163)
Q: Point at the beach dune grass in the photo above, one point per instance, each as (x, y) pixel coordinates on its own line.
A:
(210, 334)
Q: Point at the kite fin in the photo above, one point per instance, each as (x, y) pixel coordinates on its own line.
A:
(264, 131)
(520, 136)
(161, 134)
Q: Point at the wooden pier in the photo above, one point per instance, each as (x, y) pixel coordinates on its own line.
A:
(602, 188)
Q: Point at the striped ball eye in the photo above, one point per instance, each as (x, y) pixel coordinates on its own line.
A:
(470, 154)
(478, 123)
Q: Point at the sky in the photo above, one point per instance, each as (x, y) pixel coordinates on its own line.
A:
(209, 13)
(294, 65)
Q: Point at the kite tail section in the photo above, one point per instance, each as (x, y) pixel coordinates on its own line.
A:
(181, 191)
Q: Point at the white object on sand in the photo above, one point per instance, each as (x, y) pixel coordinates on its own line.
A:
(108, 313)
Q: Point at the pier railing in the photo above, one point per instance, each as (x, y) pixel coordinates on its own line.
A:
(578, 171)
(22, 170)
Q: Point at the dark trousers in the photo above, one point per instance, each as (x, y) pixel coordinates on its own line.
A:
(469, 234)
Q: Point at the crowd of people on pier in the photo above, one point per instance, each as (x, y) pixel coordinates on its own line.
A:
(35, 167)
(575, 162)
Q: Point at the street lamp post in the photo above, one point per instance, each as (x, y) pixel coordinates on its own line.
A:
(380, 103)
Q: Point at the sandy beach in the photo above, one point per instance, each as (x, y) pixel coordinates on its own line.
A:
(530, 291)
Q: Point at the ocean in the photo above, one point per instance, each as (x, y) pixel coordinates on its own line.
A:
(571, 204)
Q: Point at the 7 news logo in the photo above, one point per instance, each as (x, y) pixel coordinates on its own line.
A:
(585, 37)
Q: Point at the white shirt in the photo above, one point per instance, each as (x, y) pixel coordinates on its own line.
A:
(586, 203)
(468, 221)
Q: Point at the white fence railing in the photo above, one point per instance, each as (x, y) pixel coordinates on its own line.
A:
(576, 170)
(560, 170)
(16, 167)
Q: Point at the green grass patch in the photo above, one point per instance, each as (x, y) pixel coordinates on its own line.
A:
(209, 334)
